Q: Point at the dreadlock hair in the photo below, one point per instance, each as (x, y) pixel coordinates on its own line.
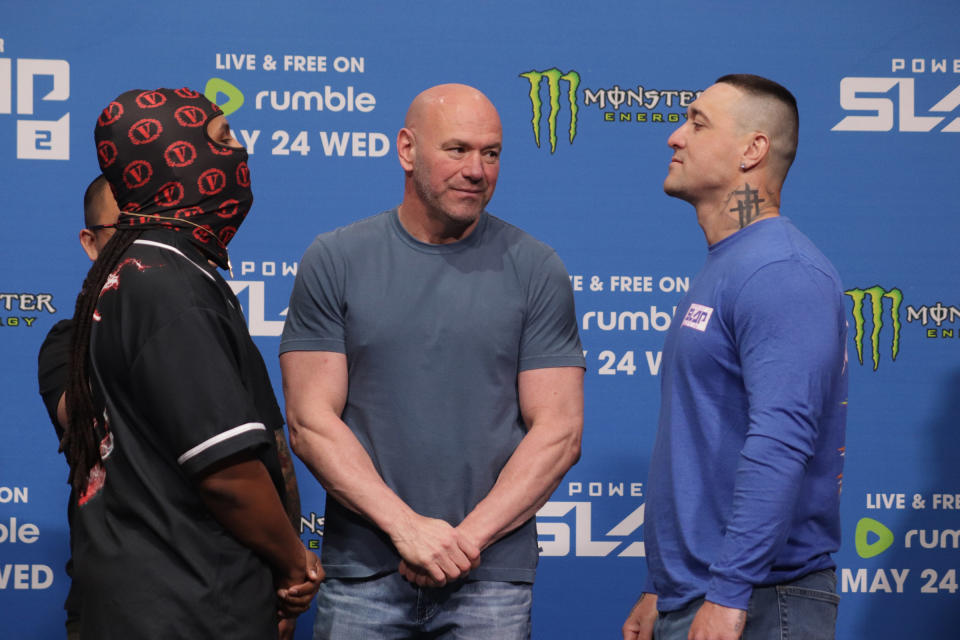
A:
(80, 444)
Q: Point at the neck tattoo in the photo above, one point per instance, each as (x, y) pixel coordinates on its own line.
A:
(748, 205)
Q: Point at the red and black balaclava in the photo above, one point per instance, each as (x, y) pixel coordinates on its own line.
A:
(165, 171)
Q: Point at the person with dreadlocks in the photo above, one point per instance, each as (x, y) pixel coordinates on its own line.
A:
(100, 212)
(179, 527)
(53, 366)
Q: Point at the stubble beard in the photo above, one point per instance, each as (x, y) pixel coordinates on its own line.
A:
(451, 219)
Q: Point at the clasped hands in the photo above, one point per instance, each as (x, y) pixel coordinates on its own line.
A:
(434, 553)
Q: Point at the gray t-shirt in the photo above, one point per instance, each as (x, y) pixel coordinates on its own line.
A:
(435, 336)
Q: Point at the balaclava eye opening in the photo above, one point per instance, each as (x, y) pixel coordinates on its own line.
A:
(166, 172)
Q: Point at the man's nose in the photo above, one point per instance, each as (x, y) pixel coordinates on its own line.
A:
(674, 140)
(473, 167)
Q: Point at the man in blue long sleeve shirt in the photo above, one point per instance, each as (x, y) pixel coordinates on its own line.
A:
(743, 493)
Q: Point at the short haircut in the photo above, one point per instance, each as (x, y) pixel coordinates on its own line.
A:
(787, 118)
(93, 201)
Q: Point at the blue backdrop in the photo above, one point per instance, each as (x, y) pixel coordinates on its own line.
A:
(588, 94)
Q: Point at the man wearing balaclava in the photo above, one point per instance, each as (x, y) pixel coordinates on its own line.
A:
(180, 531)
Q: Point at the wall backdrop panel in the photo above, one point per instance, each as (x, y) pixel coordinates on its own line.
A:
(588, 94)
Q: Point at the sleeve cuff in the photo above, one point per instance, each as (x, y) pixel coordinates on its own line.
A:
(727, 593)
(648, 584)
(251, 435)
(551, 362)
(312, 344)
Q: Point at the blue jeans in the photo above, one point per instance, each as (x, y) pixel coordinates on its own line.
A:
(388, 607)
(805, 609)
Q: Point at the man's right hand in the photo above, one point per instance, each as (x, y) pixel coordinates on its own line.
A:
(639, 624)
(294, 597)
(315, 388)
(433, 552)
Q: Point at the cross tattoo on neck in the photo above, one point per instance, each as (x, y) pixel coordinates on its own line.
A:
(748, 206)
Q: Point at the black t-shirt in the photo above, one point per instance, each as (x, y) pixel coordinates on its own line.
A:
(53, 373)
(184, 388)
(53, 368)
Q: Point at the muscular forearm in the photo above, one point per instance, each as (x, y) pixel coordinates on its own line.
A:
(526, 482)
(432, 551)
(242, 498)
(551, 403)
(341, 464)
(315, 387)
(291, 501)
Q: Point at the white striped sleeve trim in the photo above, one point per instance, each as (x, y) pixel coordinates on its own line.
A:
(220, 437)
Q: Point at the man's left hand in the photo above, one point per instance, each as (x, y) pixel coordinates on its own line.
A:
(715, 622)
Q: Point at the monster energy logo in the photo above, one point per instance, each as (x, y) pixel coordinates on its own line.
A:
(553, 76)
(877, 294)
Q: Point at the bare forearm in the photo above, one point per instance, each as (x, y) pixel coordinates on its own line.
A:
(551, 403)
(315, 387)
(243, 499)
(432, 551)
(525, 484)
(341, 464)
(291, 501)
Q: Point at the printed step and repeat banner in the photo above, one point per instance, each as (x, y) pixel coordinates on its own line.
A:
(588, 94)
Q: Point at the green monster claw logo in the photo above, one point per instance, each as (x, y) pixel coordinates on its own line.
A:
(217, 86)
(553, 76)
(877, 294)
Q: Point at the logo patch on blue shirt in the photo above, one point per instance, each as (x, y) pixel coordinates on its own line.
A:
(697, 317)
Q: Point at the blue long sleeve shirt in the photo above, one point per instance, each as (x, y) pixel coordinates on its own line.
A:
(745, 476)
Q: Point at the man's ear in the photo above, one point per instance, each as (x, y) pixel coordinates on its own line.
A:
(89, 243)
(756, 150)
(406, 149)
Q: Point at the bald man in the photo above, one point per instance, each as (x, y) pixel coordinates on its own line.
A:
(744, 485)
(433, 377)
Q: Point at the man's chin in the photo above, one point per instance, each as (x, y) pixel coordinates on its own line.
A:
(464, 215)
(671, 189)
(674, 190)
